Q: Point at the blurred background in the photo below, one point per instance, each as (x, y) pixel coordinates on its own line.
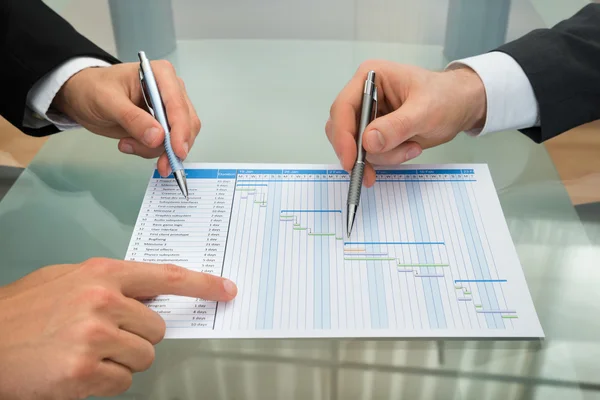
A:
(438, 31)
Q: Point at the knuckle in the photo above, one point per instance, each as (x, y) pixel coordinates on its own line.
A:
(101, 297)
(174, 274)
(332, 109)
(95, 262)
(159, 329)
(122, 384)
(92, 331)
(160, 333)
(368, 65)
(196, 124)
(328, 127)
(81, 368)
(164, 65)
(147, 358)
(99, 266)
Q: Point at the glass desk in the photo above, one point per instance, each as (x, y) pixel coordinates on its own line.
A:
(268, 101)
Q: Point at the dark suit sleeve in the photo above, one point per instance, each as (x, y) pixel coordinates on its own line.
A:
(34, 40)
(563, 66)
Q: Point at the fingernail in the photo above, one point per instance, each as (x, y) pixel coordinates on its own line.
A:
(186, 149)
(169, 170)
(413, 153)
(150, 136)
(230, 287)
(375, 140)
(126, 148)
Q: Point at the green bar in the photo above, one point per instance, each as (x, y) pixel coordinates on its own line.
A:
(510, 316)
(300, 229)
(321, 234)
(260, 202)
(296, 224)
(339, 238)
(458, 287)
(287, 216)
(423, 265)
(369, 259)
(245, 190)
(478, 306)
(467, 292)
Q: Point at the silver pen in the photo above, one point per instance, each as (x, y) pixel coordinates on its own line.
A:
(368, 113)
(157, 109)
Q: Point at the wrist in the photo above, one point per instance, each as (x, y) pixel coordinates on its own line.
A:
(472, 97)
(65, 99)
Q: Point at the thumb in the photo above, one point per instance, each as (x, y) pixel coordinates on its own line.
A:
(138, 123)
(391, 130)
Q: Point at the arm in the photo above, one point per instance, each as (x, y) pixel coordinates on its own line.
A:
(542, 84)
(35, 42)
(45, 77)
(563, 67)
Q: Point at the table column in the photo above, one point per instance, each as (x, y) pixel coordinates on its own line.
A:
(190, 233)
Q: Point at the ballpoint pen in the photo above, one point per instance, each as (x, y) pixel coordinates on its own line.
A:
(156, 107)
(368, 113)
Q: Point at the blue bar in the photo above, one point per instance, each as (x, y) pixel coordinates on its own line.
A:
(260, 171)
(347, 180)
(337, 172)
(251, 184)
(426, 172)
(497, 311)
(310, 211)
(228, 173)
(426, 180)
(305, 171)
(392, 243)
(365, 254)
(479, 280)
(194, 174)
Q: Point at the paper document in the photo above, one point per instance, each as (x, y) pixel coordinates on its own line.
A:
(430, 254)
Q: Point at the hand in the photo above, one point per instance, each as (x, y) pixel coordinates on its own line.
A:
(417, 109)
(108, 101)
(73, 331)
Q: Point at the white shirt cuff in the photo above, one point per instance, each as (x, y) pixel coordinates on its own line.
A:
(41, 95)
(511, 102)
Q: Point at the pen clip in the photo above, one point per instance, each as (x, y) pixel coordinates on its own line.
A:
(375, 102)
(144, 91)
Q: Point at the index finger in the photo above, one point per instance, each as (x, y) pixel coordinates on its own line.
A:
(149, 280)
